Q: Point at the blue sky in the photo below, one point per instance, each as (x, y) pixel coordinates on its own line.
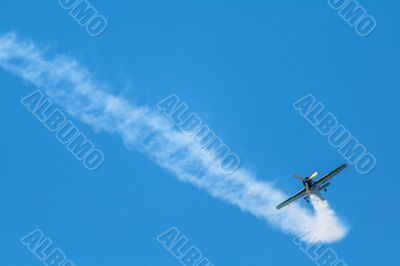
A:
(239, 66)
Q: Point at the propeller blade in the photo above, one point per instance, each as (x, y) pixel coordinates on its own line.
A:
(313, 175)
(299, 177)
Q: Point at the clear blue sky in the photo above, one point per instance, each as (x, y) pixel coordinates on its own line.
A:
(240, 65)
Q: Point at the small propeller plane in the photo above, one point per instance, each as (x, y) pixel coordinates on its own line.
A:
(312, 187)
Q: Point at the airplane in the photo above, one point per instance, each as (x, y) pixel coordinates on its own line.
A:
(312, 187)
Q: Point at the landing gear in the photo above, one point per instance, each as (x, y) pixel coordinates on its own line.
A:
(325, 189)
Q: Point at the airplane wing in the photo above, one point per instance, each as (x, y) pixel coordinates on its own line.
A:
(325, 179)
(293, 198)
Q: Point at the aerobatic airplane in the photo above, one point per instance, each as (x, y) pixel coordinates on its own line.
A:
(312, 187)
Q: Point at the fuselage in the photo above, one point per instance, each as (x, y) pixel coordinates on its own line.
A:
(309, 184)
(313, 189)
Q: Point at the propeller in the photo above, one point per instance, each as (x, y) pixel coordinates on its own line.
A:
(299, 177)
(308, 178)
(312, 176)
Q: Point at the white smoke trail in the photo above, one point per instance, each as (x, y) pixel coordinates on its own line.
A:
(72, 87)
(324, 215)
